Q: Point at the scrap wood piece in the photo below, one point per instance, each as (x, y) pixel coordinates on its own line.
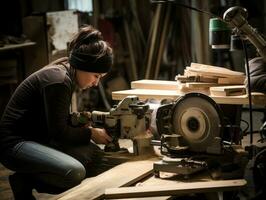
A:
(174, 189)
(232, 90)
(125, 174)
(154, 84)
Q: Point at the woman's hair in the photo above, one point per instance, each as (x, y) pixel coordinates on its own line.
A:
(89, 52)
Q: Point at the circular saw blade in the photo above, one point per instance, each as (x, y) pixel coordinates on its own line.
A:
(197, 119)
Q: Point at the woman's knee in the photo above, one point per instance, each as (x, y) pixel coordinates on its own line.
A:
(74, 175)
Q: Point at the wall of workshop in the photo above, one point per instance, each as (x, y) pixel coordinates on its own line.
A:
(256, 18)
(12, 30)
(148, 41)
(186, 39)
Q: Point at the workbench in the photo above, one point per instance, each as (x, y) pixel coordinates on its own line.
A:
(134, 178)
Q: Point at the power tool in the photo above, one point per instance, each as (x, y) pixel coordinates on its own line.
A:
(191, 129)
(130, 119)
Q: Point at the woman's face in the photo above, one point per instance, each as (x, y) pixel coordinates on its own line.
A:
(87, 79)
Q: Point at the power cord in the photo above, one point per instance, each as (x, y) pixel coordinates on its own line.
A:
(248, 91)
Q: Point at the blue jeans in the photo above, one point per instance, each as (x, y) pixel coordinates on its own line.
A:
(53, 170)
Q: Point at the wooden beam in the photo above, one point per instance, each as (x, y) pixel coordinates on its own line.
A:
(131, 50)
(16, 46)
(174, 189)
(155, 31)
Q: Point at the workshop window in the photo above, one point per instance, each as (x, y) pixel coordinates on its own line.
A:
(81, 5)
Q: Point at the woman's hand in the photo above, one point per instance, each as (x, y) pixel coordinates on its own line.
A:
(99, 136)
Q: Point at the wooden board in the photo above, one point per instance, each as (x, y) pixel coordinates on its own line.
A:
(144, 94)
(174, 189)
(232, 90)
(210, 70)
(184, 89)
(198, 79)
(17, 46)
(155, 84)
(239, 80)
(195, 85)
(125, 174)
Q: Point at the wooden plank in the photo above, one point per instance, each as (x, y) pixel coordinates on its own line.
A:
(258, 98)
(187, 72)
(213, 70)
(239, 80)
(154, 35)
(16, 46)
(232, 90)
(184, 88)
(144, 94)
(155, 84)
(200, 85)
(131, 50)
(174, 189)
(198, 79)
(122, 175)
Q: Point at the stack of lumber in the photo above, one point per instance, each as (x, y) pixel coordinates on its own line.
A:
(160, 90)
(211, 80)
(223, 85)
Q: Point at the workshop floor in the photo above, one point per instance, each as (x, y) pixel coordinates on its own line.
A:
(5, 191)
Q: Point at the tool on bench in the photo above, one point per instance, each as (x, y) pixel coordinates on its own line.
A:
(130, 119)
(191, 130)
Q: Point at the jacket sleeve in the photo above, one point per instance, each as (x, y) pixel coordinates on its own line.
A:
(57, 99)
(257, 75)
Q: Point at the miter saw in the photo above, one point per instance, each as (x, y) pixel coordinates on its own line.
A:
(129, 119)
(191, 130)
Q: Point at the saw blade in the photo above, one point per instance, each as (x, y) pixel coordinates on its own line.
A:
(197, 120)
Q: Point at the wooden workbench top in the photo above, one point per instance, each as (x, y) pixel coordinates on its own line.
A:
(159, 90)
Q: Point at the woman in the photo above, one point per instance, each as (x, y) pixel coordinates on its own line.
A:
(36, 139)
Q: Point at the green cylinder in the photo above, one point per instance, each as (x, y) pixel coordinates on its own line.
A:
(219, 34)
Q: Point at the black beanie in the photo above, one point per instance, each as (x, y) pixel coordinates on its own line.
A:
(90, 63)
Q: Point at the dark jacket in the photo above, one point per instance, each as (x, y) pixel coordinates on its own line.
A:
(39, 110)
(257, 75)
